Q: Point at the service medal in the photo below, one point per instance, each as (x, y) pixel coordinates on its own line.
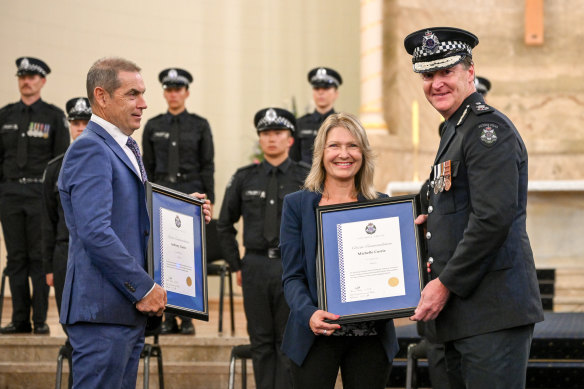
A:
(447, 175)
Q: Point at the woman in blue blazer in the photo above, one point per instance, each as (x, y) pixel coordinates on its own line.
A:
(342, 172)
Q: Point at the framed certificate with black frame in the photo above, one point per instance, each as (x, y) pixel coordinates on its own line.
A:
(369, 259)
(177, 251)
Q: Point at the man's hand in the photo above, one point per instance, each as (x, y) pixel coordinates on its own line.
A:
(433, 299)
(421, 219)
(321, 327)
(154, 302)
(207, 207)
(49, 278)
(238, 277)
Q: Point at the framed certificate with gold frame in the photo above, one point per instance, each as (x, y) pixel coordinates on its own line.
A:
(177, 251)
(369, 262)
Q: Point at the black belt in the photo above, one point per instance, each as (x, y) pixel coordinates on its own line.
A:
(273, 253)
(24, 180)
(180, 177)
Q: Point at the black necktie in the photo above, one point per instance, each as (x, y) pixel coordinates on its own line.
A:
(271, 226)
(173, 150)
(131, 143)
(22, 144)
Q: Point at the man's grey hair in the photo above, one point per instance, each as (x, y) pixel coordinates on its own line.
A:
(104, 73)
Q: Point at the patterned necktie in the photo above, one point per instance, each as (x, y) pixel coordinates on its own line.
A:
(271, 225)
(131, 143)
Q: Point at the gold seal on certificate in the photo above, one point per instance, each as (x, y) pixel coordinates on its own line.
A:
(393, 281)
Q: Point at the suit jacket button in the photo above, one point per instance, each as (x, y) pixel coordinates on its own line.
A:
(428, 235)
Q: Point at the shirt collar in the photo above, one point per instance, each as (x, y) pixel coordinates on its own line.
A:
(34, 106)
(111, 129)
(181, 115)
(283, 167)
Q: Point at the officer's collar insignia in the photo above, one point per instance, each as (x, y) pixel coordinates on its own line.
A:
(488, 135)
(430, 42)
(172, 73)
(271, 116)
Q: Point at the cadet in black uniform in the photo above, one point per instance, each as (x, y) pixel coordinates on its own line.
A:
(178, 153)
(54, 229)
(325, 90)
(483, 298)
(256, 192)
(32, 133)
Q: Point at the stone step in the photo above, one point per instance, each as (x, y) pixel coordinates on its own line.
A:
(208, 375)
(175, 348)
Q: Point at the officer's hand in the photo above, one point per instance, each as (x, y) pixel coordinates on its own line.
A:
(433, 299)
(49, 277)
(321, 327)
(421, 219)
(154, 302)
(207, 210)
(238, 277)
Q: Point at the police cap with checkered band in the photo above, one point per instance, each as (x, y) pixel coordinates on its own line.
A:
(322, 77)
(274, 119)
(30, 65)
(438, 48)
(175, 78)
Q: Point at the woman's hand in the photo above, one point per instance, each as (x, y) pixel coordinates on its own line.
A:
(207, 210)
(319, 326)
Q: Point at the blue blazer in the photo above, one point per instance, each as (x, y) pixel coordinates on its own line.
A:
(298, 247)
(105, 209)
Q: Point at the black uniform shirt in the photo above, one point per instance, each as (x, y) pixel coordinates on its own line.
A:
(246, 196)
(307, 128)
(195, 149)
(54, 229)
(47, 133)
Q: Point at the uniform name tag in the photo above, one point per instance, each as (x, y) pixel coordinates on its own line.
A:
(255, 193)
(161, 134)
(10, 126)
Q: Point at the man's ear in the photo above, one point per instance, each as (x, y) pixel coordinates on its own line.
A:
(100, 96)
(290, 139)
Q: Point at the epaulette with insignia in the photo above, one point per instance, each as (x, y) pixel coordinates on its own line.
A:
(56, 159)
(157, 116)
(7, 108)
(480, 108)
(194, 115)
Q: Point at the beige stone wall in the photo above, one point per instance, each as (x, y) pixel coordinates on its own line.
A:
(539, 87)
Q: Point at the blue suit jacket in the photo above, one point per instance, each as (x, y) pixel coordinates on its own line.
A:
(298, 246)
(105, 208)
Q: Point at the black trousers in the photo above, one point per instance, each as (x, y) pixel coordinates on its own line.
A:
(362, 360)
(20, 213)
(497, 360)
(267, 313)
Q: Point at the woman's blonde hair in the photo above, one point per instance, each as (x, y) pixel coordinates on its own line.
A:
(364, 178)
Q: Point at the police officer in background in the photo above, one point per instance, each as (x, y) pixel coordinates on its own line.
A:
(178, 153)
(483, 86)
(483, 296)
(256, 192)
(32, 133)
(325, 90)
(55, 235)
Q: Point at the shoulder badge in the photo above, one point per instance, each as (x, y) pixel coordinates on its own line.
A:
(480, 108)
(488, 134)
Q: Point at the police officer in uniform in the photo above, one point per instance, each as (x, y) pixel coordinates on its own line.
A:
(32, 133)
(54, 229)
(325, 90)
(256, 192)
(178, 153)
(483, 296)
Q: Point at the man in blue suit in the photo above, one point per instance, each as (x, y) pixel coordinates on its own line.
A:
(108, 294)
